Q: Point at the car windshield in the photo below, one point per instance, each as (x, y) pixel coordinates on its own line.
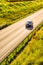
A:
(29, 22)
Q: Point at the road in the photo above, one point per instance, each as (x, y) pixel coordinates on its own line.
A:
(11, 36)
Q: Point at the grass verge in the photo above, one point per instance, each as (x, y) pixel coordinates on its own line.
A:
(32, 54)
(19, 49)
(12, 12)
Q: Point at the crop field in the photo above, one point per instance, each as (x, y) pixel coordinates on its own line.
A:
(32, 54)
(11, 12)
(30, 51)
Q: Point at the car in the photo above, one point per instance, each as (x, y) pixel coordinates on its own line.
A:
(29, 25)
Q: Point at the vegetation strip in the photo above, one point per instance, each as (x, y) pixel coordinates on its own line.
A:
(12, 12)
(32, 54)
(15, 52)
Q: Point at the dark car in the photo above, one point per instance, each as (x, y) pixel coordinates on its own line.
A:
(29, 25)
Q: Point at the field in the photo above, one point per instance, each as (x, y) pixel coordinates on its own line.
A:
(30, 51)
(32, 54)
(31, 47)
(11, 12)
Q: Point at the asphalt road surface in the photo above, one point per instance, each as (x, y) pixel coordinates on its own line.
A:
(11, 36)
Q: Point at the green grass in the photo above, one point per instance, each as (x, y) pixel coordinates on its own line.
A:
(32, 54)
(12, 12)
